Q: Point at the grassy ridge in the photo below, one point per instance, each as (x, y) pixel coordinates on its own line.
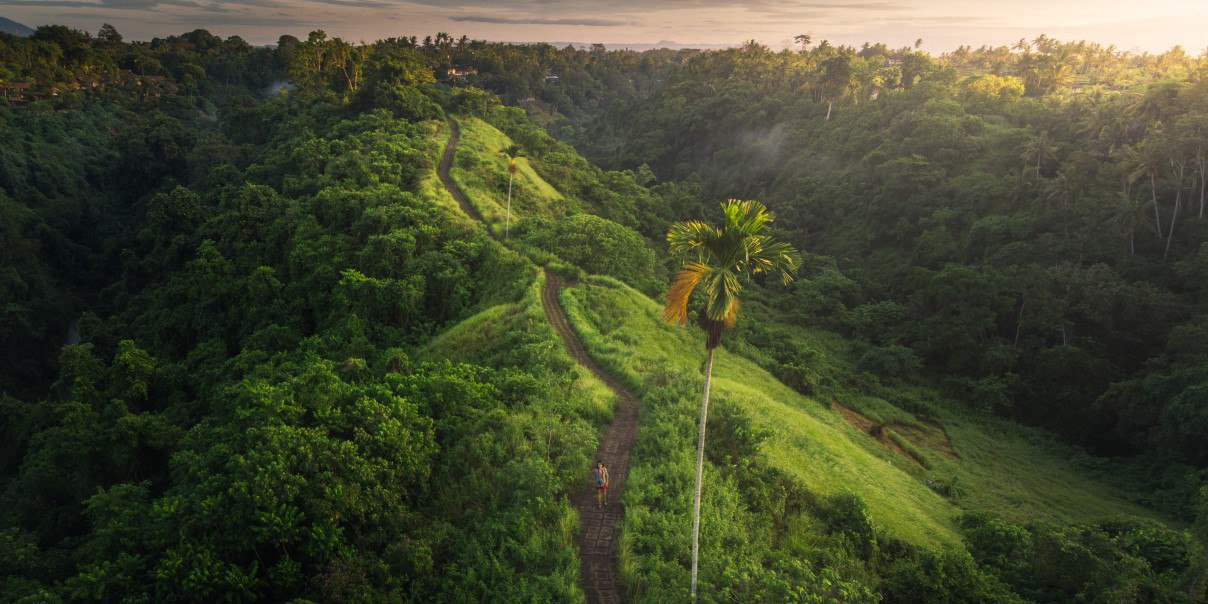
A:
(487, 338)
(480, 169)
(916, 478)
(1004, 469)
(621, 328)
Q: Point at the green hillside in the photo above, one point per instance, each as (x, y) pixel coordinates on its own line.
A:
(1015, 472)
(918, 476)
(481, 170)
(264, 334)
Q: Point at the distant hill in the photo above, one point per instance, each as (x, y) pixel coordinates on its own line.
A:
(669, 44)
(9, 26)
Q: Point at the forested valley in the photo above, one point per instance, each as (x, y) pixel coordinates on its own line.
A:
(254, 350)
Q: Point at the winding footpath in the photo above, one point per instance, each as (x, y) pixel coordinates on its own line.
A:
(598, 532)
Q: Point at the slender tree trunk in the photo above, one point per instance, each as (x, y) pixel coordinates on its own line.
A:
(829, 106)
(1157, 216)
(507, 225)
(1019, 320)
(700, 469)
(1178, 204)
(1170, 236)
(1203, 183)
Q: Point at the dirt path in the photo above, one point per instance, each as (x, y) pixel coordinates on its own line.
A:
(598, 533)
(442, 171)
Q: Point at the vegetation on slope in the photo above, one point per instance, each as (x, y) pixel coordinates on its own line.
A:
(282, 388)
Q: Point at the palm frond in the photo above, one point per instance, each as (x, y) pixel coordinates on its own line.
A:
(686, 237)
(676, 308)
(722, 256)
(777, 257)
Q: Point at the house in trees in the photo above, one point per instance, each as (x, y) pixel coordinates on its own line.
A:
(551, 79)
(450, 74)
(15, 92)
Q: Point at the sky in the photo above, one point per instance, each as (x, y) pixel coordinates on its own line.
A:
(1149, 25)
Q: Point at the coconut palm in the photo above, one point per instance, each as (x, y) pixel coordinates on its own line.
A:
(1040, 147)
(1129, 213)
(716, 259)
(1146, 161)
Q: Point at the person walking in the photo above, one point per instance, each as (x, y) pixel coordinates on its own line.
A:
(600, 477)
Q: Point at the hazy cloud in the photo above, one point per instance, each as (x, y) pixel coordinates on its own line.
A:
(944, 24)
(540, 21)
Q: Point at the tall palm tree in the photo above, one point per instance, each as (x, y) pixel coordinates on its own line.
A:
(1146, 161)
(1129, 213)
(1040, 147)
(511, 153)
(715, 259)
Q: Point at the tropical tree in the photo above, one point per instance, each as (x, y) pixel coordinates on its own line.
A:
(1041, 148)
(716, 259)
(511, 153)
(1146, 161)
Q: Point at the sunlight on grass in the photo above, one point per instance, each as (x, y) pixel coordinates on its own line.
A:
(1012, 471)
(480, 170)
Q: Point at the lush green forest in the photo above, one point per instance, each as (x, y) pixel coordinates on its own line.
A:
(253, 350)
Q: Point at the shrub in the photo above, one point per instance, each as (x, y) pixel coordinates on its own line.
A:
(890, 361)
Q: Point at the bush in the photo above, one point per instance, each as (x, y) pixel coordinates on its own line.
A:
(942, 577)
(892, 361)
(846, 514)
(597, 245)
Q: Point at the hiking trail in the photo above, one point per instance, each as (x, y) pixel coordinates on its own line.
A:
(597, 540)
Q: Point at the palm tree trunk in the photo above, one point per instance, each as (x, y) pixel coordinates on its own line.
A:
(507, 225)
(700, 468)
(1203, 183)
(1157, 216)
(1173, 217)
(1019, 320)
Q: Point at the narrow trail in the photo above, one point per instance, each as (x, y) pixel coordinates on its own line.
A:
(598, 534)
(442, 171)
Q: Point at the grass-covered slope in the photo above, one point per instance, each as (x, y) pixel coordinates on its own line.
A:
(500, 335)
(1000, 468)
(846, 490)
(481, 170)
(982, 463)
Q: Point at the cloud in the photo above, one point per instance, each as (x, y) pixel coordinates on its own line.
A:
(140, 5)
(355, 3)
(540, 21)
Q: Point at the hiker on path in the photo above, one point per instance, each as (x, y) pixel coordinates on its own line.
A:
(599, 476)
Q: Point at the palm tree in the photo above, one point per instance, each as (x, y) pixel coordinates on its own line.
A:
(1039, 147)
(1146, 161)
(511, 153)
(1128, 214)
(715, 259)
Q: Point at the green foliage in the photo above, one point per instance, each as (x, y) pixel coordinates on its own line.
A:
(1116, 558)
(245, 418)
(943, 577)
(300, 376)
(891, 362)
(597, 245)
